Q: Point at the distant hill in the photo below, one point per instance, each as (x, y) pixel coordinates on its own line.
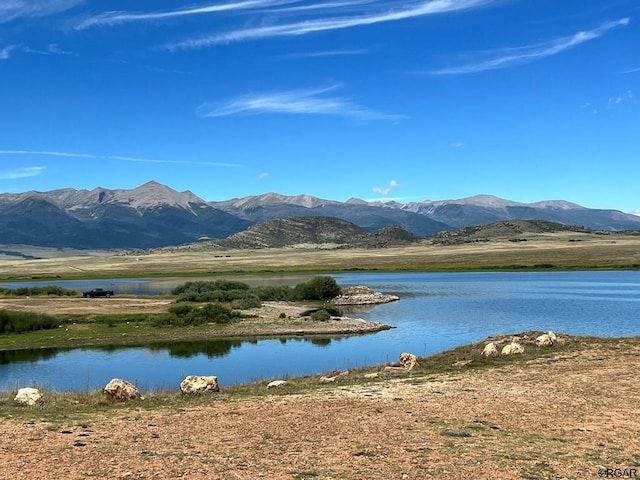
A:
(154, 215)
(513, 230)
(321, 231)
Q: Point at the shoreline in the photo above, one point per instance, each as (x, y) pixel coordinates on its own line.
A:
(263, 322)
(532, 416)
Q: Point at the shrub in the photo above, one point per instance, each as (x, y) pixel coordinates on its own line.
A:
(273, 294)
(318, 288)
(320, 315)
(19, 322)
(46, 290)
(214, 312)
(184, 314)
(249, 301)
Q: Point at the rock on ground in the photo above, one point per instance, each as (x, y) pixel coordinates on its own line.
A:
(196, 384)
(28, 396)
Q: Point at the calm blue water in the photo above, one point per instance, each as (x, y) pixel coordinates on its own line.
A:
(436, 311)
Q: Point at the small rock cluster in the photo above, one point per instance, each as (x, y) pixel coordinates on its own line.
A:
(515, 347)
(362, 295)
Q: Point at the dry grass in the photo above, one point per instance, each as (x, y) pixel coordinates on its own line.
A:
(540, 251)
(560, 412)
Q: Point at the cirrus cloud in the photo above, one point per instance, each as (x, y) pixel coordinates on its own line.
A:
(25, 172)
(516, 56)
(295, 102)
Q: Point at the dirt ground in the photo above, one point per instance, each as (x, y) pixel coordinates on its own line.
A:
(570, 415)
(75, 305)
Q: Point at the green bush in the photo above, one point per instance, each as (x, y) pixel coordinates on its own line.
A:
(320, 315)
(19, 322)
(318, 288)
(247, 302)
(46, 290)
(184, 314)
(274, 294)
(223, 291)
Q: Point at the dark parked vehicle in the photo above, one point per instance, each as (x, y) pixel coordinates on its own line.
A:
(97, 292)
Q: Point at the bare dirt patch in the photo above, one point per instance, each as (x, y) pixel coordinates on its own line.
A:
(563, 415)
(100, 306)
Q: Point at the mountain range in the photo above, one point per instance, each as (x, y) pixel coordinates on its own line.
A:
(154, 215)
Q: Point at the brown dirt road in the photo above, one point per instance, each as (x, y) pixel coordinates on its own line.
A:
(563, 416)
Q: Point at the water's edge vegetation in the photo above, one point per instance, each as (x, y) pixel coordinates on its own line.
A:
(196, 304)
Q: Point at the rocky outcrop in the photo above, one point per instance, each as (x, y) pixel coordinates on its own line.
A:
(197, 384)
(362, 295)
(119, 390)
(28, 396)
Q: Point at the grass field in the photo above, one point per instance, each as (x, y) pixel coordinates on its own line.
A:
(542, 251)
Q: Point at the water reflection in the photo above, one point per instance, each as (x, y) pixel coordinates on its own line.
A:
(436, 311)
(21, 356)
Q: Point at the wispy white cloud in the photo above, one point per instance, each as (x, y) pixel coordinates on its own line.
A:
(18, 173)
(457, 144)
(386, 190)
(401, 11)
(308, 102)
(56, 50)
(5, 52)
(263, 176)
(505, 58)
(633, 70)
(114, 157)
(325, 53)
(324, 6)
(618, 99)
(14, 9)
(52, 49)
(117, 18)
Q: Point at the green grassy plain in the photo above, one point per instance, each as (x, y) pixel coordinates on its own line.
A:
(564, 251)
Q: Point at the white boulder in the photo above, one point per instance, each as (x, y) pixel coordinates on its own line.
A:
(490, 350)
(121, 391)
(546, 339)
(196, 384)
(512, 348)
(28, 396)
(276, 384)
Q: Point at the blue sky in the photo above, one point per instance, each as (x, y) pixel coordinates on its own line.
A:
(376, 99)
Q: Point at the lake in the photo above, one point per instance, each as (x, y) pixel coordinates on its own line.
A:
(436, 311)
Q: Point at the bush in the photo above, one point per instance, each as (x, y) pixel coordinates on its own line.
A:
(184, 314)
(244, 303)
(222, 291)
(318, 288)
(46, 290)
(216, 291)
(19, 322)
(320, 315)
(274, 294)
